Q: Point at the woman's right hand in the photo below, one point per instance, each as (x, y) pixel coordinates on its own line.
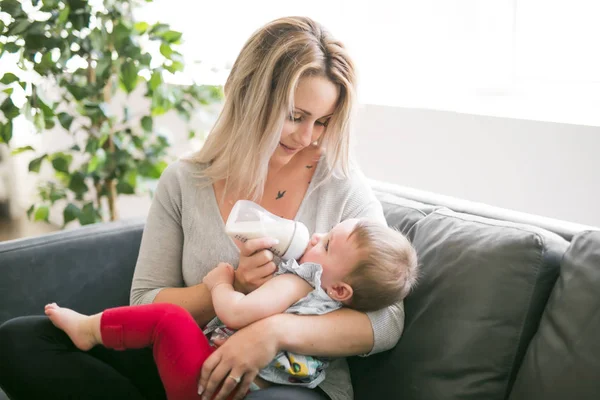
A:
(256, 264)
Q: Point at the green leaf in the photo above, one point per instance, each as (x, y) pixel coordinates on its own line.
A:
(125, 188)
(42, 213)
(11, 47)
(12, 7)
(166, 50)
(137, 142)
(46, 106)
(65, 120)
(92, 145)
(158, 29)
(155, 80)
(8, 91)
(49, 122)
(171, 36)
(34, 165)
(78, 92)
(129, 76)
(152, 170)
(9, 78)
(6, 132)
(20, 150)
(64, 15)
(191, 134)
(174, 67)
(30, 211)
(56, 194)
(9, 109)
(45, 64)
(145, 59)
(141, 27)
(77, 183)
(147, 123)
(61, 162)
(103, 66)
(2, 26)
(71, 213)
(87, 215)
(18, 26)
(39, 121)
(96, 161)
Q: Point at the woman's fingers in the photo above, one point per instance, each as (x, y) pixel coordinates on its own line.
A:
(207, 368)
(218, 375)
(261, 258)
(263, 272)
(244, 385)
(254, 245)
(231, 382)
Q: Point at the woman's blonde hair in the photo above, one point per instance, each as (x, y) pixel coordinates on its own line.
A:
(259, 95)
(387, 270)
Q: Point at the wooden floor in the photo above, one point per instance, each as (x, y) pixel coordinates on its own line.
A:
(20, 228)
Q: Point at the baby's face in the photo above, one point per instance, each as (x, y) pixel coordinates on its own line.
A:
(334, 252)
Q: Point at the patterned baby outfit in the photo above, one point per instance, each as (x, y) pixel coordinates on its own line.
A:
(289, 368)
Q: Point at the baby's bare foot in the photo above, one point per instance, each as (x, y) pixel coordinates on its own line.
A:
(83, 330)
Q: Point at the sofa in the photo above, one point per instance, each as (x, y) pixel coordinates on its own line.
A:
(507, 305)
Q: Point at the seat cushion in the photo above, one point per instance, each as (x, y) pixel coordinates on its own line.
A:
(482, 289)
(563, 360)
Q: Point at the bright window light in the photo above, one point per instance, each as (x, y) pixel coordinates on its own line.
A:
(529, 59)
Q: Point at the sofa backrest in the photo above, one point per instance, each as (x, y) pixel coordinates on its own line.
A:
(88, 269)
(563, 359)
(483, 287)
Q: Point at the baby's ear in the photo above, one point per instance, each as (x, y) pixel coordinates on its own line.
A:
(340, 291)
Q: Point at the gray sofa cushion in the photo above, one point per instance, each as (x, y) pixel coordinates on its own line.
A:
(564, 356)
(402, 213)
(88, 269)
(483, 287)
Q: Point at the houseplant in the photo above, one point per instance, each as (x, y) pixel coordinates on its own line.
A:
(71, 58)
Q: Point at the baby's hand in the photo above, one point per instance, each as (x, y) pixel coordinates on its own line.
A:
(222, 274)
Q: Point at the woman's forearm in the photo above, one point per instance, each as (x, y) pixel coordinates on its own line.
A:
(341, 333)
(196, 299)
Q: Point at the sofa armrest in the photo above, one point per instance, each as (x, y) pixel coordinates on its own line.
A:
(87, 269)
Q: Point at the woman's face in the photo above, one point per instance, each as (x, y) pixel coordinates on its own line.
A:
(314, 102)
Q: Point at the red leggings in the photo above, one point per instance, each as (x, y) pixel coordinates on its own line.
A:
(178, 344)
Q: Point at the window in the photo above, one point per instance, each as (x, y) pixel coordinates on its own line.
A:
(531, 59)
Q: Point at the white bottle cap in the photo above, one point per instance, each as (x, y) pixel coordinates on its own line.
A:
(299, 242)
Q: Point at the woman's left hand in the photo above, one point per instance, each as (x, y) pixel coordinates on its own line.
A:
(239, 359)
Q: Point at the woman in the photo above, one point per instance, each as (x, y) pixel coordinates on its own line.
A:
(282, 140)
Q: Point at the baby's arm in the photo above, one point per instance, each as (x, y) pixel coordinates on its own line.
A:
(238, 310)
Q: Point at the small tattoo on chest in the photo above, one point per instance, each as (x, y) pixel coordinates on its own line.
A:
(280, 194)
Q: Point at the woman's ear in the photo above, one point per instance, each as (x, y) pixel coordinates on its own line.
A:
(340, 291)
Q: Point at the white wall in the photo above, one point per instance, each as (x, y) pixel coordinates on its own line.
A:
(545, 168)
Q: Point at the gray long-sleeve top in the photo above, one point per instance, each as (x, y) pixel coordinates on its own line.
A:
(184, 238)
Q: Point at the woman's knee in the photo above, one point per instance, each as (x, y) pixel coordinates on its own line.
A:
(20, 336)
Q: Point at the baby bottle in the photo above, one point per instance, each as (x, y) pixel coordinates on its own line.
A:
(248, 220)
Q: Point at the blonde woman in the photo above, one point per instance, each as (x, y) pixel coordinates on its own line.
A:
(282, 140)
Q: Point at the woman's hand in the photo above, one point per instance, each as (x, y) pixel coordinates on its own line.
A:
(222, 274)
(256, 264)
(242, 356)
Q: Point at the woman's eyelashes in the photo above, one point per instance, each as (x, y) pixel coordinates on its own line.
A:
(327, 246)
(296, 120)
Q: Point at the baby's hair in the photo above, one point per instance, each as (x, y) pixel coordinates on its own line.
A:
(387, 269)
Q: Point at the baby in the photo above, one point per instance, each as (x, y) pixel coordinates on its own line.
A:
(359, 264)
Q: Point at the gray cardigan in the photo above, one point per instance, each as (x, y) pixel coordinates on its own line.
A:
(184, 238)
